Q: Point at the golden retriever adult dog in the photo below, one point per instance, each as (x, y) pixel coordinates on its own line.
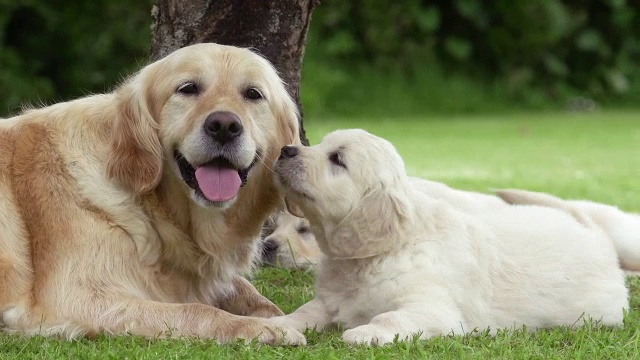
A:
(402, 260)
(139, 211)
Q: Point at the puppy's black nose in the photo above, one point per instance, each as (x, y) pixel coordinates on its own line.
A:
(270, 246)
(223, 126)
(270, 251)
(288, 152)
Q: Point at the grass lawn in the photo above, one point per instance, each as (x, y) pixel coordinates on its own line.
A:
(593, 156)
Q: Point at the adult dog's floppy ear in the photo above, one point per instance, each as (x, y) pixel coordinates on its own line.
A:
(372, 227)
(288, 120)
(283, 107)
(135, 160)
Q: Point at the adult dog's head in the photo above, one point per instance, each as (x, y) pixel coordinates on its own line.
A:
(206, 114)
(352, 188)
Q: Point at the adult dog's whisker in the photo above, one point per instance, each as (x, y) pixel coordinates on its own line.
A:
(265, 164)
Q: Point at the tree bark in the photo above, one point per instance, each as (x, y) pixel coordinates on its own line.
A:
(275, 28)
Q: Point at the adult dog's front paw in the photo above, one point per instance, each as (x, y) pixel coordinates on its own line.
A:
(265, 310)
(368, 335)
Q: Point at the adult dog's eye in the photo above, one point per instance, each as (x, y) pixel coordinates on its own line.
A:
(253, 94)
(336, 159)
(188, 88)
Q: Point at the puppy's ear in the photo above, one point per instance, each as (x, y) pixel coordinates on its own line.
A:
(372, 227)
(292, 208)
(135, 160)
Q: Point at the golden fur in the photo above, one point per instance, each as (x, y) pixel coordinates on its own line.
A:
(99, 232)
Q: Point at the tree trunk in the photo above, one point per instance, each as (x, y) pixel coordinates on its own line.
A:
(276, 28)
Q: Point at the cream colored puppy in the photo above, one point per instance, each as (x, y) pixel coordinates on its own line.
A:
(623, 229)
(401, 261)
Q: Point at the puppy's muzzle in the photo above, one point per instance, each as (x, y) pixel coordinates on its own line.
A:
(270, 252)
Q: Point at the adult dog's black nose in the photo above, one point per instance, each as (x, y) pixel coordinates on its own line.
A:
(288, 152)
(223, 126)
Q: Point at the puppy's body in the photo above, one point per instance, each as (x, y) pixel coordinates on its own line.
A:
(98, 230)
(290, 245)
(403, 260)
(466, 201)
(623, 229)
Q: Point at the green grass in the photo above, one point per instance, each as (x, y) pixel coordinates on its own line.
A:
(594, 156)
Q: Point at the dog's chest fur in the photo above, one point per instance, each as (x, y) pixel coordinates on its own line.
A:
(356, 290)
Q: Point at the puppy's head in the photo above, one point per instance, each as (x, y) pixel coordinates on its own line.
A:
(351, 186)
(289, 242)
(207, 115)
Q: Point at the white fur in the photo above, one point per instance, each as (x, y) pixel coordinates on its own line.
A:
(623, 229)
(298, 249)
(404, 259)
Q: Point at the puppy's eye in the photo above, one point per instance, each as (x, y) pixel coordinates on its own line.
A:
(336, 159)
(253, 94)
(188, 88)
(303, 230)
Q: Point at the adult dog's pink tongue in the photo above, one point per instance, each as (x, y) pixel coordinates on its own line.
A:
(218, 183)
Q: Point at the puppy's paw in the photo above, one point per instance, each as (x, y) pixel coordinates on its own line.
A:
(369, 335)
(288, 322)
(267, 332)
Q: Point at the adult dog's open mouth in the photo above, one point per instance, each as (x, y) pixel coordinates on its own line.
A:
(217, 180)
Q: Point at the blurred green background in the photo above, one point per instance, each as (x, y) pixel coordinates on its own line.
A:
(365, 58)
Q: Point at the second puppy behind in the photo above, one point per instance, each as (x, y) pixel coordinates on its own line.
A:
(289, 243)
(402, 261)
